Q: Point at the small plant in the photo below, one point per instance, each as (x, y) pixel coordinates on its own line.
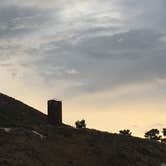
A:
(126, 132)
(163, 140)
(153, 134)
(80, 124)
(164, 132)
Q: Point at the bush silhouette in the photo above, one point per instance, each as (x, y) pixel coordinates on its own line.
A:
(126, 132)
(153, 134)
(163, 140)
(80, 124)
(164, 132)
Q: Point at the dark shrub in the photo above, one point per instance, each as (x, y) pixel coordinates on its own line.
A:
(80, 124)
(126, 132)
(153, 134)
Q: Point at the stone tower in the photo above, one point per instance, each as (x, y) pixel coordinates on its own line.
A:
(55, 112)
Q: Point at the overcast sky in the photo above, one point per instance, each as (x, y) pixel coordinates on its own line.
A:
(105, 59)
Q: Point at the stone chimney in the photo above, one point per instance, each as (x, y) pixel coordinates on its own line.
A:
(55, 112)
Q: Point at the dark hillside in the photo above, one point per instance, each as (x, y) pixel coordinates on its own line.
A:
(67, 146)
(26, 139)
(16, 113)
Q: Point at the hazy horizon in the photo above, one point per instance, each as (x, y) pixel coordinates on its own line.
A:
(104, 59)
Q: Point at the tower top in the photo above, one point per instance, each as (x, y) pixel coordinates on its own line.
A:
(54, 99)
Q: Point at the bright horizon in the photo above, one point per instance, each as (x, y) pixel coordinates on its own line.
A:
(105, 60)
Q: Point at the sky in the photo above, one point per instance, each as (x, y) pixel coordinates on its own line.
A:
(106, 60)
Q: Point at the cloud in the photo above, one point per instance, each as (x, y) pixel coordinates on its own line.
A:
(21, 21)
(105, 62)
(89, 46)
(127, 44)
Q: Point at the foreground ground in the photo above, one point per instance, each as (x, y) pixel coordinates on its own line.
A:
(26, 139)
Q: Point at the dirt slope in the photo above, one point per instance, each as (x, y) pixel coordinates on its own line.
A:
(27, 140)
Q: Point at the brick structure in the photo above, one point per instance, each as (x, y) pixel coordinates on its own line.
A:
(55, 112)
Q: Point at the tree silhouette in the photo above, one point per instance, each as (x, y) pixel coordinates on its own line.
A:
(164, 132)
(163, 140)
(126, 132)
(80, 124)
(153, 134)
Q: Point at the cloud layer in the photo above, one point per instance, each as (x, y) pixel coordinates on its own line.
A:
(76, 48)
(91, 46)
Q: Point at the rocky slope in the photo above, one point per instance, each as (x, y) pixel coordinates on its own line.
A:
(26, 139)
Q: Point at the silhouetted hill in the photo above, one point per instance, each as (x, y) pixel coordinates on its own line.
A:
(15, 113)
(27, 140)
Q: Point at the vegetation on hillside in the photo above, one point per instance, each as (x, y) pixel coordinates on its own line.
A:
(27, 139)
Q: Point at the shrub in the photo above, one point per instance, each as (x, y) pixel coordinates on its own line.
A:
(126, 132)
(153, 134)
(163, 140)
(164, 132)
(80, 124)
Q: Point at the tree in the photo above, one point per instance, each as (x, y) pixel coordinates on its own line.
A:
(126, 132)
(163, 140)
(80, 124)
(153, 134)
(164, 132)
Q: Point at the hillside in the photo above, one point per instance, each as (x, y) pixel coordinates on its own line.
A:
(17, 114)
(26, 139)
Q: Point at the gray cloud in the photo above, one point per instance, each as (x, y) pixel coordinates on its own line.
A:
(21, 21)
(91, 47)
(106, 62)
(127, 44)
